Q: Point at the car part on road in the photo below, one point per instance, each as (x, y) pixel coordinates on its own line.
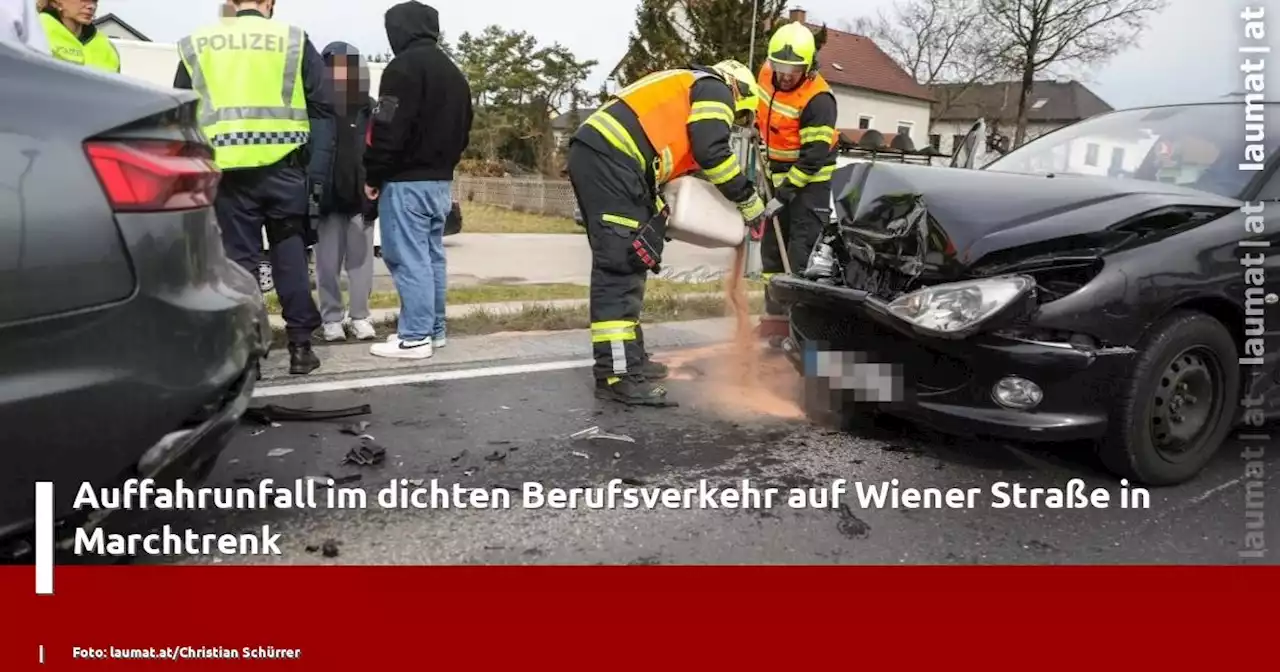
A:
(271, 413)
(591, 433)
(365, 455)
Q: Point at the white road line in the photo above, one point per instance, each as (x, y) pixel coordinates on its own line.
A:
(44, 538)
(1213, 491)
(412, 378)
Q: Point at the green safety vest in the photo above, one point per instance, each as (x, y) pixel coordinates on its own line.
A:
(248, 73)
(97, 53)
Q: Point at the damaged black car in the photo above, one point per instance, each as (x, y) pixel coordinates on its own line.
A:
(1116, 280)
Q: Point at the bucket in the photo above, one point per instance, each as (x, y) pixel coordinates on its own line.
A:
(701, 215)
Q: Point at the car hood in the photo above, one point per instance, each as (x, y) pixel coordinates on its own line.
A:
(948, 220)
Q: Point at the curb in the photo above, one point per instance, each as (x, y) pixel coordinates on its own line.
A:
(382, 315)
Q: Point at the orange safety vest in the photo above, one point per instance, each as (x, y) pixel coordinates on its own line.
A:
(778, 118)
(661, 103)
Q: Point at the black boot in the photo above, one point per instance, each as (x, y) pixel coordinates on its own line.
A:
(633, 391)
(301, 359)
(652, 370)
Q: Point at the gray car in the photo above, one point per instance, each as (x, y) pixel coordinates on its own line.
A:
(129, 343)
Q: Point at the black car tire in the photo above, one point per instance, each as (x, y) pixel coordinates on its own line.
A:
(1130, 448)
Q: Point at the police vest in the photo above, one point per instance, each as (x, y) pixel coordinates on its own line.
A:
(778, 118)
(97, 53)
(661, 101)
(248, 73)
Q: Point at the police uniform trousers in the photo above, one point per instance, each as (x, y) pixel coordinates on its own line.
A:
(801, 222)
(274, 197)
(614, 202)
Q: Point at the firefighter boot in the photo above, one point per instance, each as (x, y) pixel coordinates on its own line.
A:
(652, 370)
(301, 359)
(632, 391)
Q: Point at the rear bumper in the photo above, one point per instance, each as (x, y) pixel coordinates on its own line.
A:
(946, 383)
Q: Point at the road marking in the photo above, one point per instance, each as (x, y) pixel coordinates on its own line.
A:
(1213, 491)
(412, 378)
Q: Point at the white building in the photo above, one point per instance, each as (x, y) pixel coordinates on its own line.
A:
(1054, 104)
(115, 28)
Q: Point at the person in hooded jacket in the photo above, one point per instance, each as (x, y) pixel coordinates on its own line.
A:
(421, 126)
(345, 226)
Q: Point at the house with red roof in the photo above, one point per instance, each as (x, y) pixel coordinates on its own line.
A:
(872, 91)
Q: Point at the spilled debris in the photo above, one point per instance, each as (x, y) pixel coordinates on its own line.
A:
(593, 433)
(356, 428)
(279, 452)
(365, 455)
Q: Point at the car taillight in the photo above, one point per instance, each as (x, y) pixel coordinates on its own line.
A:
(154, 175)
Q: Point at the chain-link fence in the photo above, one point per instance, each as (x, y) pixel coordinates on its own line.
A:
(522, 194)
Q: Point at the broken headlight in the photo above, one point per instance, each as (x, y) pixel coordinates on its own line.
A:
(960, 306)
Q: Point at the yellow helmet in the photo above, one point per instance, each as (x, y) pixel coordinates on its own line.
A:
(746, 93)
(791, 49)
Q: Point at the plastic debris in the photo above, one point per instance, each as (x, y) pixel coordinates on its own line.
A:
(279, 452)
(365, 456)
(356, 428)
(273, 415)
(591, 433)
(582, 455)
(496, 456)
(459, 456)
(415, 482)
(343, 480)
(329, 549)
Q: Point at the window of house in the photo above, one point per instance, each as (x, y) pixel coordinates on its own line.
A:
(864, 122)
(1091, 154)
(935, 141)
(957, 141)
(904, 128)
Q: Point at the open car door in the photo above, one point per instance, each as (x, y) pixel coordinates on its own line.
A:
(974, 144)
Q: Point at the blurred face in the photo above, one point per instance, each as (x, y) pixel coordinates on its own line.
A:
(787, 76)
(80, 11)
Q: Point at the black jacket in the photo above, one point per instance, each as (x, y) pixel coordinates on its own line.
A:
(422, 121)
(337, 158)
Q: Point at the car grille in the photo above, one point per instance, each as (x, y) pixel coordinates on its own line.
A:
(886, 284)
(925, 370)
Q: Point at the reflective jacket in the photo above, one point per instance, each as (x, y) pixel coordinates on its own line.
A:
(800, 138)
(97, 52)
(248, 73)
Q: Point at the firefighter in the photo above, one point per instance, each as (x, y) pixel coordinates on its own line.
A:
(68, 26)
(796, 121)
(666, 125)
(262, 85)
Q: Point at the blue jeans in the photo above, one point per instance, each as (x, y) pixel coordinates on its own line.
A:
(411, 216)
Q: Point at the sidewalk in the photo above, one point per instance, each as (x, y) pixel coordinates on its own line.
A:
(380, 315)
(352, 360)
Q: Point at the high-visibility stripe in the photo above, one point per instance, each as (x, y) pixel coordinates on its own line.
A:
(710, 110)
(613, 330)
(620, 220)
(785, 155)
(824, 134)
(800, 178)
(727, 170)
(616, 135)
(783, 110)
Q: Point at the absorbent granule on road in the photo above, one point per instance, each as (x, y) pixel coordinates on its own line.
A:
(742, 380)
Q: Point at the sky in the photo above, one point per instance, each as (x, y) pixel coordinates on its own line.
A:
(1188, 52)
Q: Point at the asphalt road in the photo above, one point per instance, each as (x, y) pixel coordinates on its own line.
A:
(498, 432)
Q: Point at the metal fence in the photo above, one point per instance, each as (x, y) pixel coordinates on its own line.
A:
(522, 194)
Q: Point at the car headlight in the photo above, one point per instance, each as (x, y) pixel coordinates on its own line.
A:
(960, 306)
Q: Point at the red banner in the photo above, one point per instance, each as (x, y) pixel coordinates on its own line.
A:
(411, 618)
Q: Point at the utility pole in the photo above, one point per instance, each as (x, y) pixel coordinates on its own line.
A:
(751, 45)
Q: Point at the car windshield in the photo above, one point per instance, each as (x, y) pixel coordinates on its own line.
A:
(1195, 146)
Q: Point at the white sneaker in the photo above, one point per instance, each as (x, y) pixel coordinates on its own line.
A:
(438, 342)
(333, 331)
(399, 349)
(363, 330)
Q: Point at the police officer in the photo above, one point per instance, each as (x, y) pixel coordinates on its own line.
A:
(68, 26)
(666, 125)
(262, 85)
(797, 122)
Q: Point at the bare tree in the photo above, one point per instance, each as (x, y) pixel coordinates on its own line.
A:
(937, 41)
(1039, 34)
